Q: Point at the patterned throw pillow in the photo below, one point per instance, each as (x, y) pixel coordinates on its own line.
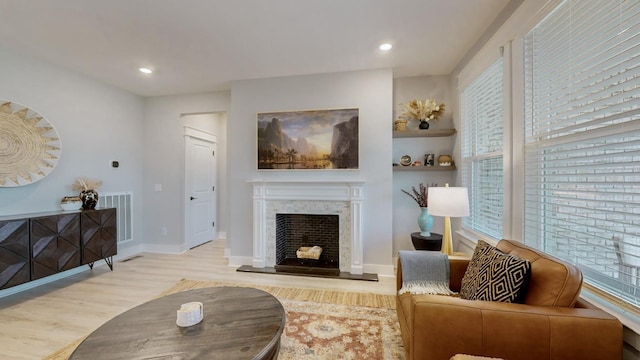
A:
(495, 276)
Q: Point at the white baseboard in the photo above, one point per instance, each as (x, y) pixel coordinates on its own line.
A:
(165, 249)
(240, 260)
(128, 252)
(381, 270)
(35, 283)
(122, 254)
(222, 235)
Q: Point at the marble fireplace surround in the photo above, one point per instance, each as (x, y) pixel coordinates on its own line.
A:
(342, 198)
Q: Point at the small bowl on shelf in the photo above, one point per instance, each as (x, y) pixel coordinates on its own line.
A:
(70, 203)
(405, 160)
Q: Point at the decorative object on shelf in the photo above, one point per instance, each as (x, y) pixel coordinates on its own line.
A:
(89, 199)
(417, 163)
(400, 125)
(69, 203)
(423, 111)
(29, 145)
(88, 193)
(429, 159)
(445, 160)
(421, 197)
(405, 160)
(308, 140)
(448, 202)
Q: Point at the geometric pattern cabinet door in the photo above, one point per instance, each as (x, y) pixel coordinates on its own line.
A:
(99, 235)
(55, 244)
(14, 252)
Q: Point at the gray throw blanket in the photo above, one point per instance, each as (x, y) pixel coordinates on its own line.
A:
(424, 272)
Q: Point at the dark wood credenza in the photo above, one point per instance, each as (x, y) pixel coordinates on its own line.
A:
(33, 246)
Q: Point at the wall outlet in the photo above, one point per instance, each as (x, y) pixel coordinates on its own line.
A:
(157, 187)
(163, 230)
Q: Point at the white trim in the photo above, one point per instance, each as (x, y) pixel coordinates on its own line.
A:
(268, 193)
(381, 270)
(166, 249)
(516, 216)
(45, 280)
(199, 134)
(123, 254)
(523, 19)
(191, 136)
(507, 128)
(236, 261)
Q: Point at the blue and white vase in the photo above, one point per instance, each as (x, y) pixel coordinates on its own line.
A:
(425, 222)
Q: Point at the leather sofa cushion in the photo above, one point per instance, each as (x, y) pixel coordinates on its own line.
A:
(553, 282)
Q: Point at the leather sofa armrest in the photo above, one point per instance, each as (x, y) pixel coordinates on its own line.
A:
(445, 326)
(457, 267)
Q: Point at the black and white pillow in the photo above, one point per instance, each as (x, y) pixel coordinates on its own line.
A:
(495, 276)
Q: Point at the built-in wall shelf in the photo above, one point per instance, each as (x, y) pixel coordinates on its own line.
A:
(423, 133)
(424, 168)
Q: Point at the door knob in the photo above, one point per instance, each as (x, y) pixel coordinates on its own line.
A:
(193, 198)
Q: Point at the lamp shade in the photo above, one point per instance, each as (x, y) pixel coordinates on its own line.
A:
(448, 201)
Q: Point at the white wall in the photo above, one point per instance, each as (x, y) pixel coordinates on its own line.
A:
(371, 92)
(164, 164)
(405, 209)
(96, 123)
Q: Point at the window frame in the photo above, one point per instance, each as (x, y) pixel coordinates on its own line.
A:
(511, 36)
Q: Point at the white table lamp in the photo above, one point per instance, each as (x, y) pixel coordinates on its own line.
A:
(448, 202)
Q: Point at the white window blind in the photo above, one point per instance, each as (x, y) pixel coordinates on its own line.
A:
(582, 140)
(482, 147)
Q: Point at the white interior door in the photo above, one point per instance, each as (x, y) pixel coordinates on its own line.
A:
(200, 181)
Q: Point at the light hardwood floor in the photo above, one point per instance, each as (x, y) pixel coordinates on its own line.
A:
(39, 321)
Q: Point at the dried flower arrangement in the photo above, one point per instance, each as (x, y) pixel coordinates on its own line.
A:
(82, 184)
(423, 110)
(420, 196)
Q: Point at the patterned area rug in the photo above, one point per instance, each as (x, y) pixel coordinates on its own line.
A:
(329, 331)
(321, 324)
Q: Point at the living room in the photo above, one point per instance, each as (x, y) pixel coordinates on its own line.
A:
(100, 123)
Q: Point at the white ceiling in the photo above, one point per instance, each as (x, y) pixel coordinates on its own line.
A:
(202, 45)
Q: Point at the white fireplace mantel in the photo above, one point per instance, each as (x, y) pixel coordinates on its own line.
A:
(270, 197)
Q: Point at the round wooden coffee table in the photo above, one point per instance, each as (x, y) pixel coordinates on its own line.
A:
(239, 323)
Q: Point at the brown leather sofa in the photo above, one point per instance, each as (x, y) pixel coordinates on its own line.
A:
(552, 323)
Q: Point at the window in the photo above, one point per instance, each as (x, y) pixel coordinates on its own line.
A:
(582, 140)
(482, 147)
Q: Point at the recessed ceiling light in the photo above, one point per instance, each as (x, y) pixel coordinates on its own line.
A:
(145, 70)
(386, 47)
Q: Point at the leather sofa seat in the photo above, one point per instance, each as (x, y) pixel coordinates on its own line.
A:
(552, 323)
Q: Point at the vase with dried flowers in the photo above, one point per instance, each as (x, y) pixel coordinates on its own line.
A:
(423, 111)
(88, 193)
(425, 220)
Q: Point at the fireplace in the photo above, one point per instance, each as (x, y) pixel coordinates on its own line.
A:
(308, 243)
(344, 200)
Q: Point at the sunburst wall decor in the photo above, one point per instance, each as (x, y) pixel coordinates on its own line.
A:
(29, 145)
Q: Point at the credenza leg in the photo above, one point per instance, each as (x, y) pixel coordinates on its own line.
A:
(109, 262)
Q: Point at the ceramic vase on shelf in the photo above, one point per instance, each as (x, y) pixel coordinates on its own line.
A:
(424, 125)
(425, 222)
(89, 199)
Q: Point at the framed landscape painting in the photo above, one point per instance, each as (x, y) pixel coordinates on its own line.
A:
(308, 140)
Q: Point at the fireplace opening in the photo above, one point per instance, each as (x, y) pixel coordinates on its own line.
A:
(299, 238)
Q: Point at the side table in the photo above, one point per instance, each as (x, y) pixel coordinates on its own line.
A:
(430, 243)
